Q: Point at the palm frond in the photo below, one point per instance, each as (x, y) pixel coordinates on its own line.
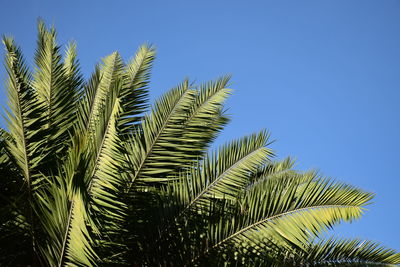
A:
(159, 150)
(101, 109)
(101, 177)
(179, 128)
(56, 87)
(24, 147)
(134, 93)
(206, 117)
(348, 252)
(23, 116)
(64, 218)
(97, 92)
(289, 211)
(223, 174)
(74, 78)
(72, 69)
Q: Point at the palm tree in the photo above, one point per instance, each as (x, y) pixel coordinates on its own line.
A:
(92, 176)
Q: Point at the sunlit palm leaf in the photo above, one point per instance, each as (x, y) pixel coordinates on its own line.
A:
(349, 252)
(159, 150)
(206, 117)
(57, 86)
(23, 116)
(224, 174)
(134, 94)
(289, 211)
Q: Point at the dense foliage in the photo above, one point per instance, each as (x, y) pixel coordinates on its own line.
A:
(91, 175)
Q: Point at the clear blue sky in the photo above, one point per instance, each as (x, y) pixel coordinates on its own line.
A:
(322, 76)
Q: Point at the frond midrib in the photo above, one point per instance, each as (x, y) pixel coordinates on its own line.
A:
(148, 153)
(63, 248)
(92, 107)
(100, 151)
(249, 227)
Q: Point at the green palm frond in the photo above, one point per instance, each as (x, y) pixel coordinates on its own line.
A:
(349, 252)
(74, 80)
(159, 150)
(23, 116)
(325, 252)
(57, 86)
(223, 174)
(134, 93)
(24, 144)
(79, 250)
(328, 252)
(63, 212)
(72, 71)
(179, 128)
(288, 211)
(206, 117)
(102, 177)
(110, 78)
(64, 218)
(85, 105)
(192, 134)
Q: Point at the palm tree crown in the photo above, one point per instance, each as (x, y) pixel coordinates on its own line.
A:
(93, 176)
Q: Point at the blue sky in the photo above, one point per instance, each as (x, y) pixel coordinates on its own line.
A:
(322, 76)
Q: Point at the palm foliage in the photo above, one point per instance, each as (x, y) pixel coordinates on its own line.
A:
(93, 176)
